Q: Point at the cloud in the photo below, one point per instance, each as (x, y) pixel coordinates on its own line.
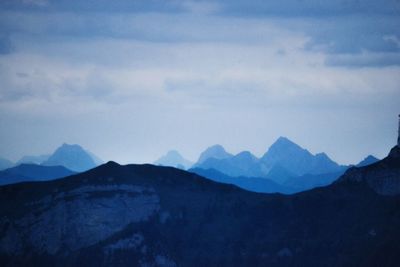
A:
(123, 76)
(40, 3)
(6, 46)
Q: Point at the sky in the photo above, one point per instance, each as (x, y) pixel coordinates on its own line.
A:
(130, 80)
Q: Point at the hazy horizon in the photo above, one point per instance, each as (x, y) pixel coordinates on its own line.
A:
(129, 81)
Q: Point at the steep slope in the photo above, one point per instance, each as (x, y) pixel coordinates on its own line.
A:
(144, 215)
(174, 159)
(5, 164)
(297, 160)
(32, 172)
(215, 152)
(254, 184)
(382, 176)
(310, 181)
(73, 157)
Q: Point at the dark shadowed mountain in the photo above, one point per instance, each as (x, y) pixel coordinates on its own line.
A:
(254, 184)
(174, 159)
(242, 164)
(144, 215)
(72, 157)
(367, 161)
(215, 151)
(297, 160)
(32, 172)
(5, 164)
(33, 159)
(382, 176)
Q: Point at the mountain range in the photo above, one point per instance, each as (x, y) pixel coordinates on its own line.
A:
(145, 215)
(279, 167)
(285, 163)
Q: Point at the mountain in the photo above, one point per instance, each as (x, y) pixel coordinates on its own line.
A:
(277, 181)
(5, 164)
(254, 184)
(174, 159)
(144, 215)
(242, 164)
(32, 172)
(382, 176)
(367, 161)
(279, 174)
(296, 159)
(33, 159)
(310, 181)
(73, 157)
(215, 151)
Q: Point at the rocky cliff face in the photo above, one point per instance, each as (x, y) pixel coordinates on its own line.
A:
(144, 215)
(383, 176)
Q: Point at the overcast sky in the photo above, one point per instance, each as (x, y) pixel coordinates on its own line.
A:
(130, 80)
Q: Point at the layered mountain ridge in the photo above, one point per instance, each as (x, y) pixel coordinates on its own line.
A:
(32, 172)
(148, 215)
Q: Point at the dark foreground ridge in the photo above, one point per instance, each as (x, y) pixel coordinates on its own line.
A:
(144, 215)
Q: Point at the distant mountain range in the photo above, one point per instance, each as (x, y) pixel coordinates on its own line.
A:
(174, 159)
(288, 166)
(148, 215)
(283, 164)
(283, 154)
(72, 157)
(32, 172)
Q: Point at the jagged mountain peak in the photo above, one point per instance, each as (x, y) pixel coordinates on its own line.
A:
(296, 159)
(368, 160)
(284, 142)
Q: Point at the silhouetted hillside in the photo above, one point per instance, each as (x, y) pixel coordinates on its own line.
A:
(160, 216)
(32, 172)
(382, 176)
